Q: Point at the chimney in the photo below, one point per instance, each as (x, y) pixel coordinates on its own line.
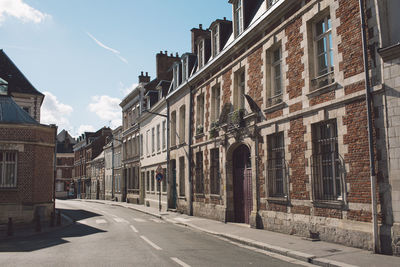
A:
(144, 78)
(163, 65)
(198, 32)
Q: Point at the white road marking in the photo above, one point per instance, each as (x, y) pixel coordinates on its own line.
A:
(181, 263)
(120, 220)
(134, 229)
(157, 220)
(82, 222)
(150, 243)
(114, 216)
(100, 221)
(140, 220)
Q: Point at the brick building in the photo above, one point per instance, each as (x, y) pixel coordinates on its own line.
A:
(27, 154)
(279, 124)
(64, 164)
(89, 145)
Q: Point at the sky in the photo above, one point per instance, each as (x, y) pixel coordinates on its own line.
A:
(86, 55)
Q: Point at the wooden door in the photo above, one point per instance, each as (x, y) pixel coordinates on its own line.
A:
(242, 184)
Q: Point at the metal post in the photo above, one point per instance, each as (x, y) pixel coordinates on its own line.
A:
(159, 195)
(370, 134)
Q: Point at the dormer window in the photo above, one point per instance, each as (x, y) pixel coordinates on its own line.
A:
(238, 16)
(184, 68)
(200, 53)
(215, 40)
(176, 75)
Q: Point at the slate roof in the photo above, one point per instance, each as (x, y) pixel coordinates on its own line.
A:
(10, 112)
(17, 82)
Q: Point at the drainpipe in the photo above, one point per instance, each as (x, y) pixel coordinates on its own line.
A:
(370, 134)
(190, 151)
(168, 180)
(54, 168)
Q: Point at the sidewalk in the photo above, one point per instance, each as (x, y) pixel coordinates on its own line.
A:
(28, 230)
(319, 253)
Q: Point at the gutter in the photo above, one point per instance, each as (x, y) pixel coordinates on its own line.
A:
(376, 247)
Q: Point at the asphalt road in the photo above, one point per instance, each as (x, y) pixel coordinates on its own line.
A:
(105, 235)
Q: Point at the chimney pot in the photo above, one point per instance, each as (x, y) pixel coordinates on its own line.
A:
(147, 74)
(224, 18)
(161, 52)
(141, 73)
(166, 52)
(200, 26)
(177, 55)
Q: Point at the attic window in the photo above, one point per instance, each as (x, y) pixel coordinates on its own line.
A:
(184, 68)
(200, 51)
(215, 40)
(238, 17)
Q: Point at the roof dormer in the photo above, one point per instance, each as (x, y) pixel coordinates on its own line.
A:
(220, 32)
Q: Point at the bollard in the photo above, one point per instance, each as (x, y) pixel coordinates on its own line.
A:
(59, 218)
(52, 219)
(10, 230)
(38, 227)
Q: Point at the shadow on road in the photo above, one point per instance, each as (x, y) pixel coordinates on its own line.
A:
(45, 240)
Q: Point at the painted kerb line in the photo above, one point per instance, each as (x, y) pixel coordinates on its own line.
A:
(150, 243)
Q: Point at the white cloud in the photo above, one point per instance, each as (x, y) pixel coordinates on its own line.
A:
(85, 128)
(116, 52)
(55, 112)
(21, 11)
(107, 108)
(126, 90)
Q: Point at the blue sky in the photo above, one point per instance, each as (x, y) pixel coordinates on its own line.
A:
(86, 55)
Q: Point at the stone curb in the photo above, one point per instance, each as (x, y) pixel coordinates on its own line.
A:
(249, 242)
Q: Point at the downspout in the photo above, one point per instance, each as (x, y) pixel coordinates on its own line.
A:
(370, 133)
(168, 180)
(190, 151)
(54, 168)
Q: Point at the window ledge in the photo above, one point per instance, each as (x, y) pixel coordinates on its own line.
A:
(322, 90)
(275, 107)
(199, 195)
(182, 198)
(330, 204)
(278, 200)
(215, 196)
(8, 189)
(197, 136)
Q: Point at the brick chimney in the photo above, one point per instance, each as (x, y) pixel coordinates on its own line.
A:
(144, 78)
(196, 33)
(164, 64)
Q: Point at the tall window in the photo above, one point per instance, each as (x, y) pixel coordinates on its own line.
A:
(327, 177)
(239, 90)
(164, 134)
(141, 145)
(199, 173)
(148, 181)
(152, 140)
(147, 142)
(182, 122)
(323, 48)
(238, 17)
(215, 103)
(274, 78)
(152, 178)
(214, 172)
(200, 114)
(173, 128)
(215, 40)
(158, 138)
(8, 169)
(182, 176)
(200, 55)
(184, 69)
(276, 165)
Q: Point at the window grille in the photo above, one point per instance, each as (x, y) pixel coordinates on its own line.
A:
(8, 169)
(181, 176)
(214, 172)
(327, 167)
(199, 173)
(276, 166)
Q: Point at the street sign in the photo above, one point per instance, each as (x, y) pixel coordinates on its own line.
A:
(159, 176)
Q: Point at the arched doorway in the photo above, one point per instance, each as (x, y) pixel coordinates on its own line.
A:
(242, 184)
